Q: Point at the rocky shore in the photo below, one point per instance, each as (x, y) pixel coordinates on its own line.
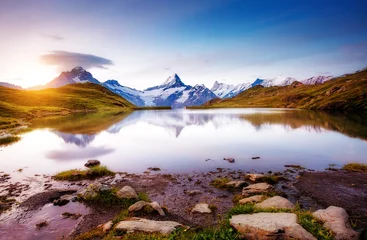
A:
(223, 204)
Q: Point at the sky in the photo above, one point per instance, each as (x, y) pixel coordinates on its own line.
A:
(142, 42)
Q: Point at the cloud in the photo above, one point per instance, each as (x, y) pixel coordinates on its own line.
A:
(53, 37)
(68, 60)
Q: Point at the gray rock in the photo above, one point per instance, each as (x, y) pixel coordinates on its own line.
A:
(252, 199)
(336, 219)
(92, 163)
(201, 208)
(257, 188)
(116, 179)
(276, 202)
(230, 160)
(254, 176)
(106, 227)
(141, 204)
(270, 226)
(147, 226)
(126, 192)
(237, 184)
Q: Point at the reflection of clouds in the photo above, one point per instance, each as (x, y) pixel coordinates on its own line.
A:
(72, 154)
(81, 140)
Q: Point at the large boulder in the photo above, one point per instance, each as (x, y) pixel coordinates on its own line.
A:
(268, 226)
(92, 163)
(127, 192)
(147, 226)
(252, 199)
(141, 204)
(257, 188)
(276, 202)
(201, 208)
(336, 219)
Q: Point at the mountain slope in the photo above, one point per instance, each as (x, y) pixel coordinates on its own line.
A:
(87, 97)
(9, 85)
(346, 93)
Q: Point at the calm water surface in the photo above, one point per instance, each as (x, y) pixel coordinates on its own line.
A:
(189, 140)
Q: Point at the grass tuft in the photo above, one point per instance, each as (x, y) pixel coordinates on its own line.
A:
(221, 183)
(355, 167)
(77, 174)
(312, 225)
(9, 140)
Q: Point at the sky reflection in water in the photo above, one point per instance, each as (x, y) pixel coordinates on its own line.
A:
(185, 140)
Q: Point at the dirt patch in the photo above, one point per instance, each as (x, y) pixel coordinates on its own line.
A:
(338, 188)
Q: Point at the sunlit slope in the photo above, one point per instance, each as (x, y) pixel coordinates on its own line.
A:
(348, 93)
(86, 97)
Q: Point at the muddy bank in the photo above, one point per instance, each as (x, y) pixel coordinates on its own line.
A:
(338, 188)
(177, 194)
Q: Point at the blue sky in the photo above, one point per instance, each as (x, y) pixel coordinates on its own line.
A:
(141, 42)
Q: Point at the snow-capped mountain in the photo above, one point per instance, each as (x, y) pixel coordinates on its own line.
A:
(173, 92)
(9, 85)
(263, 82)
(223, 90)
(288, 81)
(316, 80)
(76, 75)
(130, 94)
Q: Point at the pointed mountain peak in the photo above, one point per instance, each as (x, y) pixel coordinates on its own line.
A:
(78, 69)
(173, 81)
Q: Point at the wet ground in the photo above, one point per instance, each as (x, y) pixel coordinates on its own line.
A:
(313, 190)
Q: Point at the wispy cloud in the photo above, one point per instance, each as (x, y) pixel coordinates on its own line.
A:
(53, 37)
(67, 60)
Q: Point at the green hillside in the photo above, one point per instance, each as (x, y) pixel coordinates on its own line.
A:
(348, 93)
(18, 106)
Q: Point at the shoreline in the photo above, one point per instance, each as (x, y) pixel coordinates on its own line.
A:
(177, 194)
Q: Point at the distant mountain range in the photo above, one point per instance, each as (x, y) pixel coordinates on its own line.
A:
(173, 92)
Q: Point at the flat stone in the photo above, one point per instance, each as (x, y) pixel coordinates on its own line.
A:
(252, 199)
(254, 176)
(237, 184)
(126, 192)
(147, 226)
(257, 188)
(276, 202)
(201, 208)
(141, 204)
(270, 226)
(336, 219)
(92, 163)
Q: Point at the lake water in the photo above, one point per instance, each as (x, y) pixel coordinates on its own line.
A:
(189, 140)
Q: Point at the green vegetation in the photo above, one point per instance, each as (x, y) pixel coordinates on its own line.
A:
(347, 93)
(355, 167)
(9, 140)
(221, 183)
(77, 174)
(109, 198)
(88, 97)
(5, 203)
(314, 226)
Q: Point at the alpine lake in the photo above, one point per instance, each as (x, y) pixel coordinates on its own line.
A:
(182, 141)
